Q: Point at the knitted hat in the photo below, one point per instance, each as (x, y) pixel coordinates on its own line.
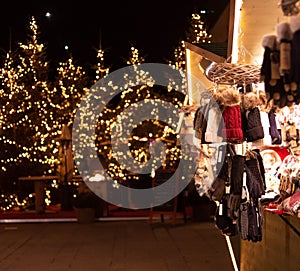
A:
(255, 129)
(232, 119)
(232, 123)
(252, 121)
(250, 100)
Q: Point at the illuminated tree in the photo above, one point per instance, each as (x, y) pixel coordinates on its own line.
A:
(134, 57)
(197, 30)
(196, 33)
(101, 70)
(70, 86)
(10, 107)
(138, 86)
(178, 61)
(35, 129)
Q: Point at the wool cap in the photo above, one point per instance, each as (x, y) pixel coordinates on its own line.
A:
(232, 123)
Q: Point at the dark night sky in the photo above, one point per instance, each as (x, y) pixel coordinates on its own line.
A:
(154, 26)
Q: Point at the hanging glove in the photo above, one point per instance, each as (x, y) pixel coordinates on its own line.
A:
(254, 181)
(221, 218)
(237, 171)
(243, 220)
(233, 206)
(217, 190)
(255, 223)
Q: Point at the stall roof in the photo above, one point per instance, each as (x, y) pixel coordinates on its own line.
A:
(255, 18)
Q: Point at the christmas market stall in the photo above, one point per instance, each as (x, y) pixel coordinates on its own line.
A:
(246, 124)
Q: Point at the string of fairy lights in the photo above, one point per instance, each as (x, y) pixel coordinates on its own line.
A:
(33, 110)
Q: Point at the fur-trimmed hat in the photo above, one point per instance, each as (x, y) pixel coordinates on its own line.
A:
(250, 100)
(269, 41)
(264, 104)
(252, 124)
(284, 31)
(228, 97)
(295, 23)
(232, 131)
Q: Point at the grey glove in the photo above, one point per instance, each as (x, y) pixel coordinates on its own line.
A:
(243, 220)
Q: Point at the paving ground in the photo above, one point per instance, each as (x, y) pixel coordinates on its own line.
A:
(113, 246)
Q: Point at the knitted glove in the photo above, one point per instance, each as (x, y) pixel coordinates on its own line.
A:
(217, 189)
(237, 171)
(255, 223)
(261, 167)
(233, 206)
(254, 179)
(243, 220)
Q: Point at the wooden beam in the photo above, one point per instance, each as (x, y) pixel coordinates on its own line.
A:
(46, 178)
(206, 54)
(230, 28)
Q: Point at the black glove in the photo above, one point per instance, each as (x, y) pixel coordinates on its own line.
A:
(217, 189)
(233, 206)
(237, 172)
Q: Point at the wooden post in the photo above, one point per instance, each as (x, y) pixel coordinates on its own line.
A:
(39, 190)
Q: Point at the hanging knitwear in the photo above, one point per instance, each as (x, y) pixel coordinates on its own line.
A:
(232, 124)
